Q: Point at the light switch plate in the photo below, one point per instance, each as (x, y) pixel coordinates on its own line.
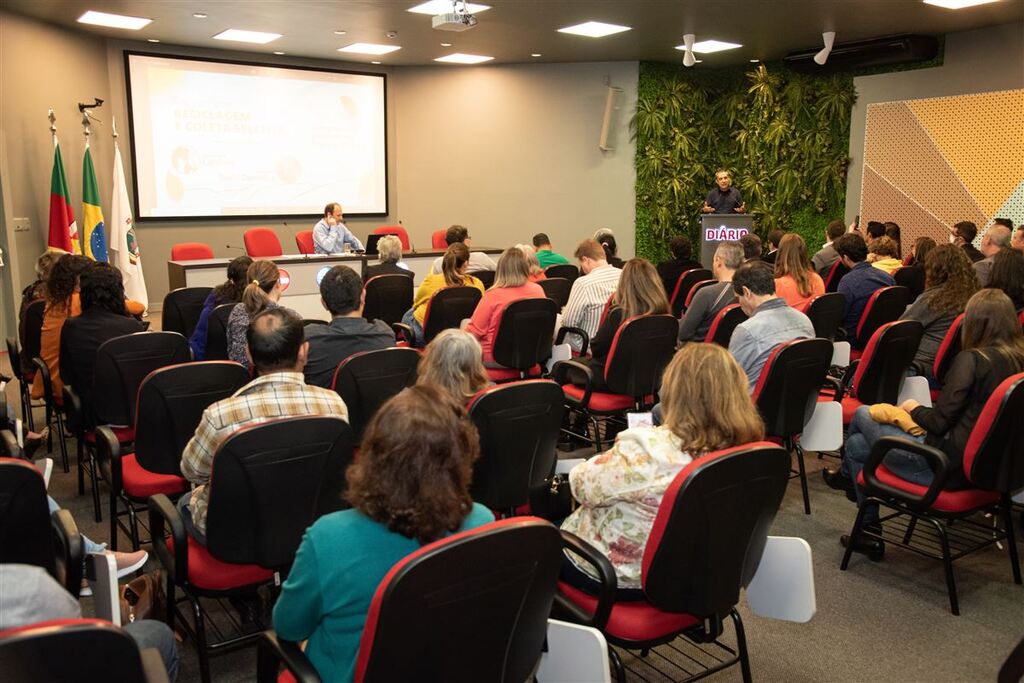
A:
(22, 224)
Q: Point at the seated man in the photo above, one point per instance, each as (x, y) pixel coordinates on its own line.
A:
(682, 260)
(774, 238)
(860, 283)
(710, 300)
(341, 293)
(827, 255)
(278, 352)
(330, 234)
(963, 236)
(477, 259)
(771, 321)
(590, 291)
(751, 247)
(995, 240)
(545, 256)
(1018, 239)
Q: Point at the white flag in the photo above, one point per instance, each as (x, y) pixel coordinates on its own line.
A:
(123, 244)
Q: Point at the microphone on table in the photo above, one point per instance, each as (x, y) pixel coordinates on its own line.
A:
(231, 246)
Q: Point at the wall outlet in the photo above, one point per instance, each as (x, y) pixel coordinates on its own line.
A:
(22, 224)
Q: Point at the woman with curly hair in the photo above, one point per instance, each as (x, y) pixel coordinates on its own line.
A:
(949, 282)
(408, 487)
(795, 280)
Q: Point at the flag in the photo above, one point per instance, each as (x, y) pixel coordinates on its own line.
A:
(63, 229)
(122, 237)
(94, 242)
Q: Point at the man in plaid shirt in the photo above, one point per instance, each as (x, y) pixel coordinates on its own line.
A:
(278, 350)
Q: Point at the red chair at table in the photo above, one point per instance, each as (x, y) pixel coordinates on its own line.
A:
(396, 230)
(191, 251)
(262, 243)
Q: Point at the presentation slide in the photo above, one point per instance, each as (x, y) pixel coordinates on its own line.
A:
(240, 140)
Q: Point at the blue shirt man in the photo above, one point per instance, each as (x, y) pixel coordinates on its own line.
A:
(860, 283)
(330, 234)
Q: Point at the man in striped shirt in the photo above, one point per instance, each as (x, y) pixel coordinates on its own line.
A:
(590, 292)
(278, 351)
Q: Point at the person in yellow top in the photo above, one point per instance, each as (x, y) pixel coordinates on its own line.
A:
(884, 254)
(453, 274)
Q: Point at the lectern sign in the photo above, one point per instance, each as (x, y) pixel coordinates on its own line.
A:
(721, 227)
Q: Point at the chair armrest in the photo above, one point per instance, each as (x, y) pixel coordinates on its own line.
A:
(68, 546)
(108, 457)
(560, 374)
(609, 583)
(271, 652)
(163, 512)
(404, 333)
(73, 412)
(937, 461)
(101, 571)
(153, 669)
(584, 337)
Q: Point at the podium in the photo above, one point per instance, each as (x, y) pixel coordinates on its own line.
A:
(721, 227)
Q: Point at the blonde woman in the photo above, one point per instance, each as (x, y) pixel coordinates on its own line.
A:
(884, 254)
(511, 282)
(262, 292)
(454, 265)
(706, 408)
(795, 279)
(452, 362)
(536, 272)
(389, 250)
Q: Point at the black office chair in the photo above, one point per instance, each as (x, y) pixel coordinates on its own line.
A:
(885, 305)
(387, 298)
(724, 324)
(563, 270)
(485, 276)
(217, 333)
(24, 383)
(366, 380)
(686, 281)
(54, 411)
(446, 309)
(557, 289)
(832, 275)
(182, 308)
(827, 313)
(522, 344)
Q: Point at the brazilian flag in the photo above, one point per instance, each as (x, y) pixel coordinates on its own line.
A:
(94, 241)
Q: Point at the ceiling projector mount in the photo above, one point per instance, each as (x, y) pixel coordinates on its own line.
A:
(459, 19)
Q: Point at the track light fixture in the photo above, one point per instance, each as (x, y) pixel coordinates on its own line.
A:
(829, 37)
(688, 58)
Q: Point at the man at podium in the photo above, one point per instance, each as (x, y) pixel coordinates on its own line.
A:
(724, 198)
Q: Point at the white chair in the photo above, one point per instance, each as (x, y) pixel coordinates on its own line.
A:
(783, 586)
(575, 654)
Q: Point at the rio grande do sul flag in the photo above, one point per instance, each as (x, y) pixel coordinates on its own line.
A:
(125, 249)
(94, 243)
(63, 229)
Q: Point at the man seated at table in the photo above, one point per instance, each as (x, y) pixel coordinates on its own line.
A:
(278, 351)
(330, 235)
(478, 260)
(341, 292)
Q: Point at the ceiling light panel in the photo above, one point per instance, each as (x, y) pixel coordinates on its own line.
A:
(113, 20)
(708, 46)
(460, 58)
(369, 48)
(957, 4)
(594, 29)
(241, 36)
(445, 6)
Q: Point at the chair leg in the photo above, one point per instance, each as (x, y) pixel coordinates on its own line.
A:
(854, 536)
(947, 563)
(81, 466)
(93, 476)
(910, 530)
(803, 478)
(63, 442)
(133, 521)
(169, 590)
(204, 655)
(741, 645)
(49, 423)
(1011, 538)
(113, 519)
(620, 670)
(597, 433)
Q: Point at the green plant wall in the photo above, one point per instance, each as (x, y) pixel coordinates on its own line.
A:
(783, 135)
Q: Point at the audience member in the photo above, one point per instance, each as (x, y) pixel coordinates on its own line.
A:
(31, 294)
(770, 320)
(330, 234)
(611, 250)
(601, 233)
(950, 283)
(263, 291)
(996, 239)
(795, 280)
(389, 251)
(993, 349)
(751, 247)
(341, 293)
(103, 317)
(710, 300)
(1008, 275)
(913, 276)
(892, 231)
(963, 236)
(774, 238)
(827, 255)
(682, 260)
(454, 272)
(619, 491)
(545, 254)
(860, 283)
(1018, 238)
(590, 292)
(228, 292)
(275, 344)
(453, 362)
(874, 230)
(62, 302)
(408, 487)
(536, 272)
(1005, 222)
(511, 283)
(457, 234)
(883, 254)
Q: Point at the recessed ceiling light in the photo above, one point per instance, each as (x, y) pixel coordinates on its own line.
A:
(754, 61)
(241, 36)
(957, 4)
(459, 58)
(198, 15)
(707, 46)
(113, 20)
(446, 44)
(340, 33)
(152, 40)
(278, 52)
(536, 54)
(374, 62)
(369, 48)
(445, 7)
(594, 29)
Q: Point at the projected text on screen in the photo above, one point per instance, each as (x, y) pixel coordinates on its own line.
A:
(240, 140)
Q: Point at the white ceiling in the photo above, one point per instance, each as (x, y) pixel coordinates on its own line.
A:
(513, 29)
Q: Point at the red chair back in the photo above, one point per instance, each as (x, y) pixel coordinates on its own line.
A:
(396, 230)
(948, 349)
(834, 275)
(884, 306)
(262, 243)
(788, 387)
(191, 251)
(25, 536)
(304, 241)
(72, 651)
(566, 270)
(827, 313)
(366, 380)
(447, 308)
(525, 331)
(724, 324)
(640, 350)
(992, 458)
(884, 363)
(696, 288)
(437, 240)
(684, 284)
(387, 298)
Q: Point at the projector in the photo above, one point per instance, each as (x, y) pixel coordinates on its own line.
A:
(453, 21)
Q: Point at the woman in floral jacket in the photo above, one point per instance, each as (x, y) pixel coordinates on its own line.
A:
(706, 407)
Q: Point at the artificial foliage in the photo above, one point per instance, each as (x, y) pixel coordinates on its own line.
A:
(785, 137)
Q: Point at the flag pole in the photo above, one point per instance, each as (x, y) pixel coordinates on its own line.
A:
(53, 126)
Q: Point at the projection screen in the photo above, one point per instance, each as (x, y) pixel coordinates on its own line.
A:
(226, 139)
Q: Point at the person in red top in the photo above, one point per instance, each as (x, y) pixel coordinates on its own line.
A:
(511, 282)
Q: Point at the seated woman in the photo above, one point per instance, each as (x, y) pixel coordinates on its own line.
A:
(389, 251)
(452, 362)
(795, 279)
(35, 292)
(1007, 274)
(912, 276)
(409, 487)
(229, 292)
(884, 254)
(611, 249)
(262, 293)
(536, 272)
(706, 408)
(993, 349)
(62, 302)
(511, 282)
(949, 283)
(454, 265)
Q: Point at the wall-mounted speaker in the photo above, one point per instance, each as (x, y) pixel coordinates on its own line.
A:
(612, 113)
